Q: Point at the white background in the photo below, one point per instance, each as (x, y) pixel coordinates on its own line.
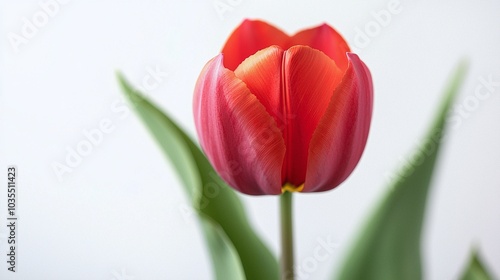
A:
(118, 214)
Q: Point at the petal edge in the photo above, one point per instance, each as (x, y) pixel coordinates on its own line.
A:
(339, 140)
(239, 137)
(248, 38)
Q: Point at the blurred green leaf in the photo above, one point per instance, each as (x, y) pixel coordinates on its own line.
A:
(475, 270)
(209, 195)
(388, 246)
(226, 261)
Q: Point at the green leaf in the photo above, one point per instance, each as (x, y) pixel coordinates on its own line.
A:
(388, 246)
(475, 270)
(226, 260)
(210, 196)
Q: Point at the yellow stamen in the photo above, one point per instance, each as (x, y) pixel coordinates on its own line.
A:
(287, 187)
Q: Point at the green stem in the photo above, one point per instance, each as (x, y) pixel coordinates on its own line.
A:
(287, 272)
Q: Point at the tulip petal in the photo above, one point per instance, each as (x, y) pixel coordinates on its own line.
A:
(325, 39)
(340, 138)
(248, 38)
(261, 73)
(239, 137)
(309, 78)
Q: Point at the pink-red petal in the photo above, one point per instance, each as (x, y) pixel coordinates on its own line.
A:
(325, 39)
(295, 87)
(309, 78)
(248, 38)
(238, 136)
(261, 73)
(254, 35)
(340, 138)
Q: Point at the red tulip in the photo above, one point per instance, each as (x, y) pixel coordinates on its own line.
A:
(276, 113)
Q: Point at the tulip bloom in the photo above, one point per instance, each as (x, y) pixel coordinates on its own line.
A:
(275, 112)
